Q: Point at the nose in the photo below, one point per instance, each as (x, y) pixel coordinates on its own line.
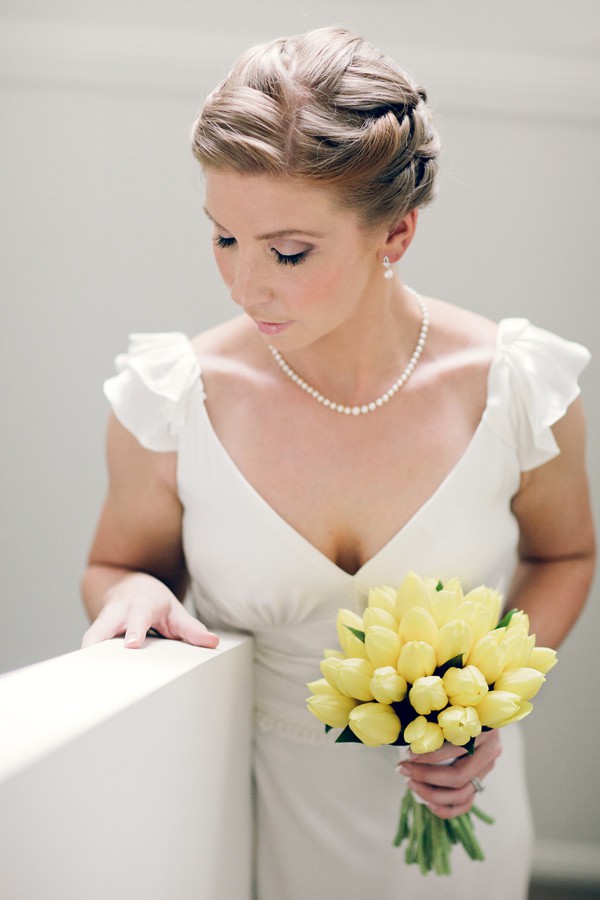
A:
(249, 287)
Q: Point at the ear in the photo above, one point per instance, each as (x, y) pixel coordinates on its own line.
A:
(400, 237)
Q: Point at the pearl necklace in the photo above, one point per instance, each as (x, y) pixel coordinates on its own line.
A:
(380, 401)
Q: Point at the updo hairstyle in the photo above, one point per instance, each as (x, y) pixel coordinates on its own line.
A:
(326, 107)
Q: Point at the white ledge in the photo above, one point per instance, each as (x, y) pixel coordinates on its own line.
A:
(50, 703)
(126, 773)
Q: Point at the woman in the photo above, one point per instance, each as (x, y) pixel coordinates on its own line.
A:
(340, 432)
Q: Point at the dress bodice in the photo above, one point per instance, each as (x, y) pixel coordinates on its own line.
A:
(251, 571)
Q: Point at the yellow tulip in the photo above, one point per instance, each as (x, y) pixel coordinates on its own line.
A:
(387, 685)
(489, 656)
(416, 660)
(524, 709)
(418, 625)
(320, 686)
(454, 586)
(524, 682)
(383, 598)
(353, 677)
(444, 602)
(477, 617)
(454, 639)
(465, 687)
(427, 694)
(519, 623)
(459, 724)
(423, 736)
(331, 709)
(333, 654)
(375, 724)
(518, 648)
(497, 707)
(374, 615)
(491, 599)
(412, 592)
(543, 659)
(351, 645)
(329, 668)
(382, 646)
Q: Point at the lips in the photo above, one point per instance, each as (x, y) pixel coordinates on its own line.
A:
(271, 327)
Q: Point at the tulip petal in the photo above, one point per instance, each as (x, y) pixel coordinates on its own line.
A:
(412, 592)
(352, 645)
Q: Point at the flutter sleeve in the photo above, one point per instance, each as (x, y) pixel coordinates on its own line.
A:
(157, 378)
(533, 381)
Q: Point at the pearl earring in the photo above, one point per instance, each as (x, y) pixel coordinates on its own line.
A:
(389, 272)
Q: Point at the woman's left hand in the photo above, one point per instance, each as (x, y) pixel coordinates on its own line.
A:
(449, 790)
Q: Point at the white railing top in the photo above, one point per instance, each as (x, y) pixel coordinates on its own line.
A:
(45, 705)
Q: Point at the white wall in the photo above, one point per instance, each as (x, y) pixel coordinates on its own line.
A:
(103, 234)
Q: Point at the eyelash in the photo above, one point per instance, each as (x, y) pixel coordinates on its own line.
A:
(293, 260)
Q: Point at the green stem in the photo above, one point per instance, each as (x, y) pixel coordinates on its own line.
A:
(405, 810)
(430, 839)
(481, 815)
(441, 846)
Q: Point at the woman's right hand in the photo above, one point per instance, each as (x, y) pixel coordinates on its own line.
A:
(140, 602)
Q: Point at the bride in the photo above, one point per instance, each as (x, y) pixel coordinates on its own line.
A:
(338, 433)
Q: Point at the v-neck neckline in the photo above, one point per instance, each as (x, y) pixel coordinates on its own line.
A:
(296, 535)
(312, 549)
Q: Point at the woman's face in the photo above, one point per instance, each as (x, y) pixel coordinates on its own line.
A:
(296, 263)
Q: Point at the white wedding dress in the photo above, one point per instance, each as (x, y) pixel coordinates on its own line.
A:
(326, 813)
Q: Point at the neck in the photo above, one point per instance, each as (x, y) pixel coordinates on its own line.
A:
(362, 367)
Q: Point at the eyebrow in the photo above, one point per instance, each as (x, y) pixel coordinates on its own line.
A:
(271, 235)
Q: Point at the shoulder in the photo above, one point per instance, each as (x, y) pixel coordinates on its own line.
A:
(461, 347)
(229, 340)
(154, 382)
(231, 357)
(458, 334)
(533, 383)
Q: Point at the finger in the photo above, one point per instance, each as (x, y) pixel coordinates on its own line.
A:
(109, 624)
(455, 776)
(444, 798)
(137, 626)
(187, 628)
(447, 751)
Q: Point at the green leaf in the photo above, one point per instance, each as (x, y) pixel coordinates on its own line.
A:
(328, 728)
(439, 587)
(470, 747)
(455, 662)
(504, 622)
(359, 634)
(347, 737)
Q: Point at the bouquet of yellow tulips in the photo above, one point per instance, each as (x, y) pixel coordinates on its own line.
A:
(426, 664)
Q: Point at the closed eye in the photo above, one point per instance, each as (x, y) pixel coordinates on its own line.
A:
(283, 259)
(221, 241)
(293, 259)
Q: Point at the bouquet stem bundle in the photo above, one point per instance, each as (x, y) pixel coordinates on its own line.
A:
(430, 839)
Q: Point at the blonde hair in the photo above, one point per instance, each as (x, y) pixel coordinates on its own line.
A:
(326, 107)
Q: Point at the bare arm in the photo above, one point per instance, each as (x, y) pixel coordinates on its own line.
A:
(556, 548)
(136, 573)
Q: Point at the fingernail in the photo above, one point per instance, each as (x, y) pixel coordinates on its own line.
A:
(131, 639)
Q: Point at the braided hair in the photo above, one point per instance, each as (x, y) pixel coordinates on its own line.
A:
(329, 108)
